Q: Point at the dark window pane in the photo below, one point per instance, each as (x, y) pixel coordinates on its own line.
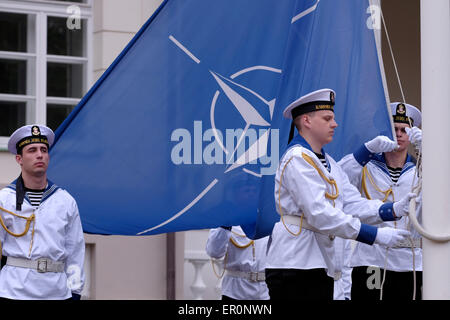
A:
(77, 1)
(56, 114)
(13, 75)
(12, 116)
(62, 40)
(64, 80)
(13, 32)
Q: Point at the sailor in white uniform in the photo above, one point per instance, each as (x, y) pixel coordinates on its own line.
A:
(316, 203)
(244, 262)
(387, 176)
(41, 233)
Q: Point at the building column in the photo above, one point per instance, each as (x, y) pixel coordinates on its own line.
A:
(435, 68)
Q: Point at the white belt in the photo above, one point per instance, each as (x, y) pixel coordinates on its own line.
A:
(416, 243)
(297, 221)
(252, 276)
(41, 265)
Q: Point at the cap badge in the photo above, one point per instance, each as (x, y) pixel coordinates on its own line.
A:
(35, 131)
(401, 109)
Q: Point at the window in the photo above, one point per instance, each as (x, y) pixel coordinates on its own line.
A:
(44, 61)
(77, 1)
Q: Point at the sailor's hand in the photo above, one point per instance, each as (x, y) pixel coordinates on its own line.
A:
(390, 237)
(401, 207)
(415, 136)
(380, 144)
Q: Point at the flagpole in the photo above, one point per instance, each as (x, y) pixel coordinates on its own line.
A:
(377, 35)
(435, 70)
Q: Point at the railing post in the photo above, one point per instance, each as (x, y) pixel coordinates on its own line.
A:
(198, 286)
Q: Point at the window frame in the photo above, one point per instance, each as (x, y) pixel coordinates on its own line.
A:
(36, 97)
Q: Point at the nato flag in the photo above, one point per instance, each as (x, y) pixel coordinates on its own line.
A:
(185, 130)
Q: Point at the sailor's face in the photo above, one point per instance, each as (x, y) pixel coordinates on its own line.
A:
(402, 137)
(323, 125)
(34, 159)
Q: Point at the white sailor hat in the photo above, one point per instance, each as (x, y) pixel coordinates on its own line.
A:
(33, 133)
(322, 99)
(404, 113)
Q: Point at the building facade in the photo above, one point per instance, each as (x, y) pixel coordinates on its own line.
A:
(52, 52)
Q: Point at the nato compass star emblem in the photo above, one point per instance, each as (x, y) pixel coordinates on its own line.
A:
(251, 116)
(257, 113)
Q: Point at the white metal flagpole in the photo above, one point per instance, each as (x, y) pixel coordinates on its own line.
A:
(435, 69)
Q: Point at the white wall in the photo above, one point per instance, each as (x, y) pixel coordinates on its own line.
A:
(130, 267)
(10, 170)
(115, 24)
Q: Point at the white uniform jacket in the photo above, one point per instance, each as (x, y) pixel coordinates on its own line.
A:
(376, 179)
(301, 190)
(247, 260)
(58, 236)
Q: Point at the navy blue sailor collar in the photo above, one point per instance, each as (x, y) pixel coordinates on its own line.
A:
(49, 190)
(380, 161)
(299, 140)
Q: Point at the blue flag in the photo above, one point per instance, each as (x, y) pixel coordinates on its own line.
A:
(184, 130)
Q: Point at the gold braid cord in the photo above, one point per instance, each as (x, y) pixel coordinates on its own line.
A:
(366, 175)
(387, 193)
(29, 219)
(236, 244)
(279, 204)
(329, 196)
(224, 264)
(331, 182)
